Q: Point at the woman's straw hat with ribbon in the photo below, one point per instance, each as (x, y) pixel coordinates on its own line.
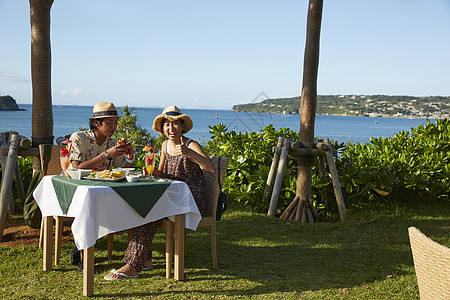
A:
(104, 110)
(172, 113)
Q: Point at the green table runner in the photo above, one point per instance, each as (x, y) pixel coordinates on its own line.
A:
(141, 195)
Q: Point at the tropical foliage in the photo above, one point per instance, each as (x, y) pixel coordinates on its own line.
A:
(409, 166)
(250, 159)
(128, 128)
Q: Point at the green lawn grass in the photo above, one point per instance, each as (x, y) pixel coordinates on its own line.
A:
(367, 257)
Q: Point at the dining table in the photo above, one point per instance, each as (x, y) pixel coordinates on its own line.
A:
(101, 207)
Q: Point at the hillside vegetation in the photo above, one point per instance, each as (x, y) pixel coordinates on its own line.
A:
(435, 107)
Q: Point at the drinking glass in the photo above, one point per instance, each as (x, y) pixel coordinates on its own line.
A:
(65, 162)
(149, 163)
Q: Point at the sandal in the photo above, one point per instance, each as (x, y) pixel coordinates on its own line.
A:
(124, 276)
(148, 268)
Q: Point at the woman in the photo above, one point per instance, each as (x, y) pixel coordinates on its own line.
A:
(181, 159)
(96, 149)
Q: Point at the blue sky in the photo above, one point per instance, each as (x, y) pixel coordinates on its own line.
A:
(214, 54)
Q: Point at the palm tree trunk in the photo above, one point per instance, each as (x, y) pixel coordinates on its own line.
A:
(42, 114)
(304, 210)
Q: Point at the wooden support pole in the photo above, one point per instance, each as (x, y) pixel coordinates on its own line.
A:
(322, 145)
(4, 144)
(307, 151)
(299, 210)
(22, 152)
(322, 176)
(336, 185)
(19, 185)
(7, 179)
(279, 177)
(273, 167)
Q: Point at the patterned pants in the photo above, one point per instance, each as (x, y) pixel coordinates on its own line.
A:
(138, 251)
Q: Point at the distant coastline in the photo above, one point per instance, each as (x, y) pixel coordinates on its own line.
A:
(433, 107)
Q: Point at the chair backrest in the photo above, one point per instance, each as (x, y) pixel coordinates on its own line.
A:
(50, 163)
(432, 265)
(212, 184)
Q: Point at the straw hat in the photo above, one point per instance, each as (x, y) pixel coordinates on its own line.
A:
(172, 113)
(104, 110)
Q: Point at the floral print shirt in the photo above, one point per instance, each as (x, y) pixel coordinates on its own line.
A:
(84, 147)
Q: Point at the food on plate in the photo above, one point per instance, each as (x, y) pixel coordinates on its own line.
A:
(107, 174)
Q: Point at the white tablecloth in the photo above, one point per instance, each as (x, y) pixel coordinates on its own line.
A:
(99, 210)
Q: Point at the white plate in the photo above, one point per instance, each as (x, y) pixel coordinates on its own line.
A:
(103, 179)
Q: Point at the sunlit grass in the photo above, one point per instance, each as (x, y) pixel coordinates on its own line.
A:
(367, 257)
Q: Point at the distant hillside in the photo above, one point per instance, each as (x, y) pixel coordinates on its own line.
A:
(7, 103)
(433, 107)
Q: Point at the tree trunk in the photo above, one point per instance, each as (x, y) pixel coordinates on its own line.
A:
(305, 211)
(42, 114)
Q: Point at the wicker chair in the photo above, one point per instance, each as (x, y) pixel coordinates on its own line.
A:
(432, 265)
(209, 220)
(51, 165)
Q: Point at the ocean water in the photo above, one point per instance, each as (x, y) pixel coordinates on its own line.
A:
(70, 118)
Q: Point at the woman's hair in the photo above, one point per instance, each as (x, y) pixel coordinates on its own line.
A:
(92, 123)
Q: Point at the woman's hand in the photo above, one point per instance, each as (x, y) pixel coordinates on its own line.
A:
(180, 149)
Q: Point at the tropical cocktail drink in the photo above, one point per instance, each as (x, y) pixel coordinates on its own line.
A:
(149, 162)
(65, 162)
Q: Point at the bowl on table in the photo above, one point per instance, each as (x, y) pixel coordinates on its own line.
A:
(78, 173)
(132, 178)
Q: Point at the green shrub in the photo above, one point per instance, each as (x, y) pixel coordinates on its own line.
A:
(250, 156)
(409, 166)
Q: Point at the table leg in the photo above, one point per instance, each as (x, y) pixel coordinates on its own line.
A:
(58, 238)
(169, 251)
(179, 247)
(48, 243)
(88, 271)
